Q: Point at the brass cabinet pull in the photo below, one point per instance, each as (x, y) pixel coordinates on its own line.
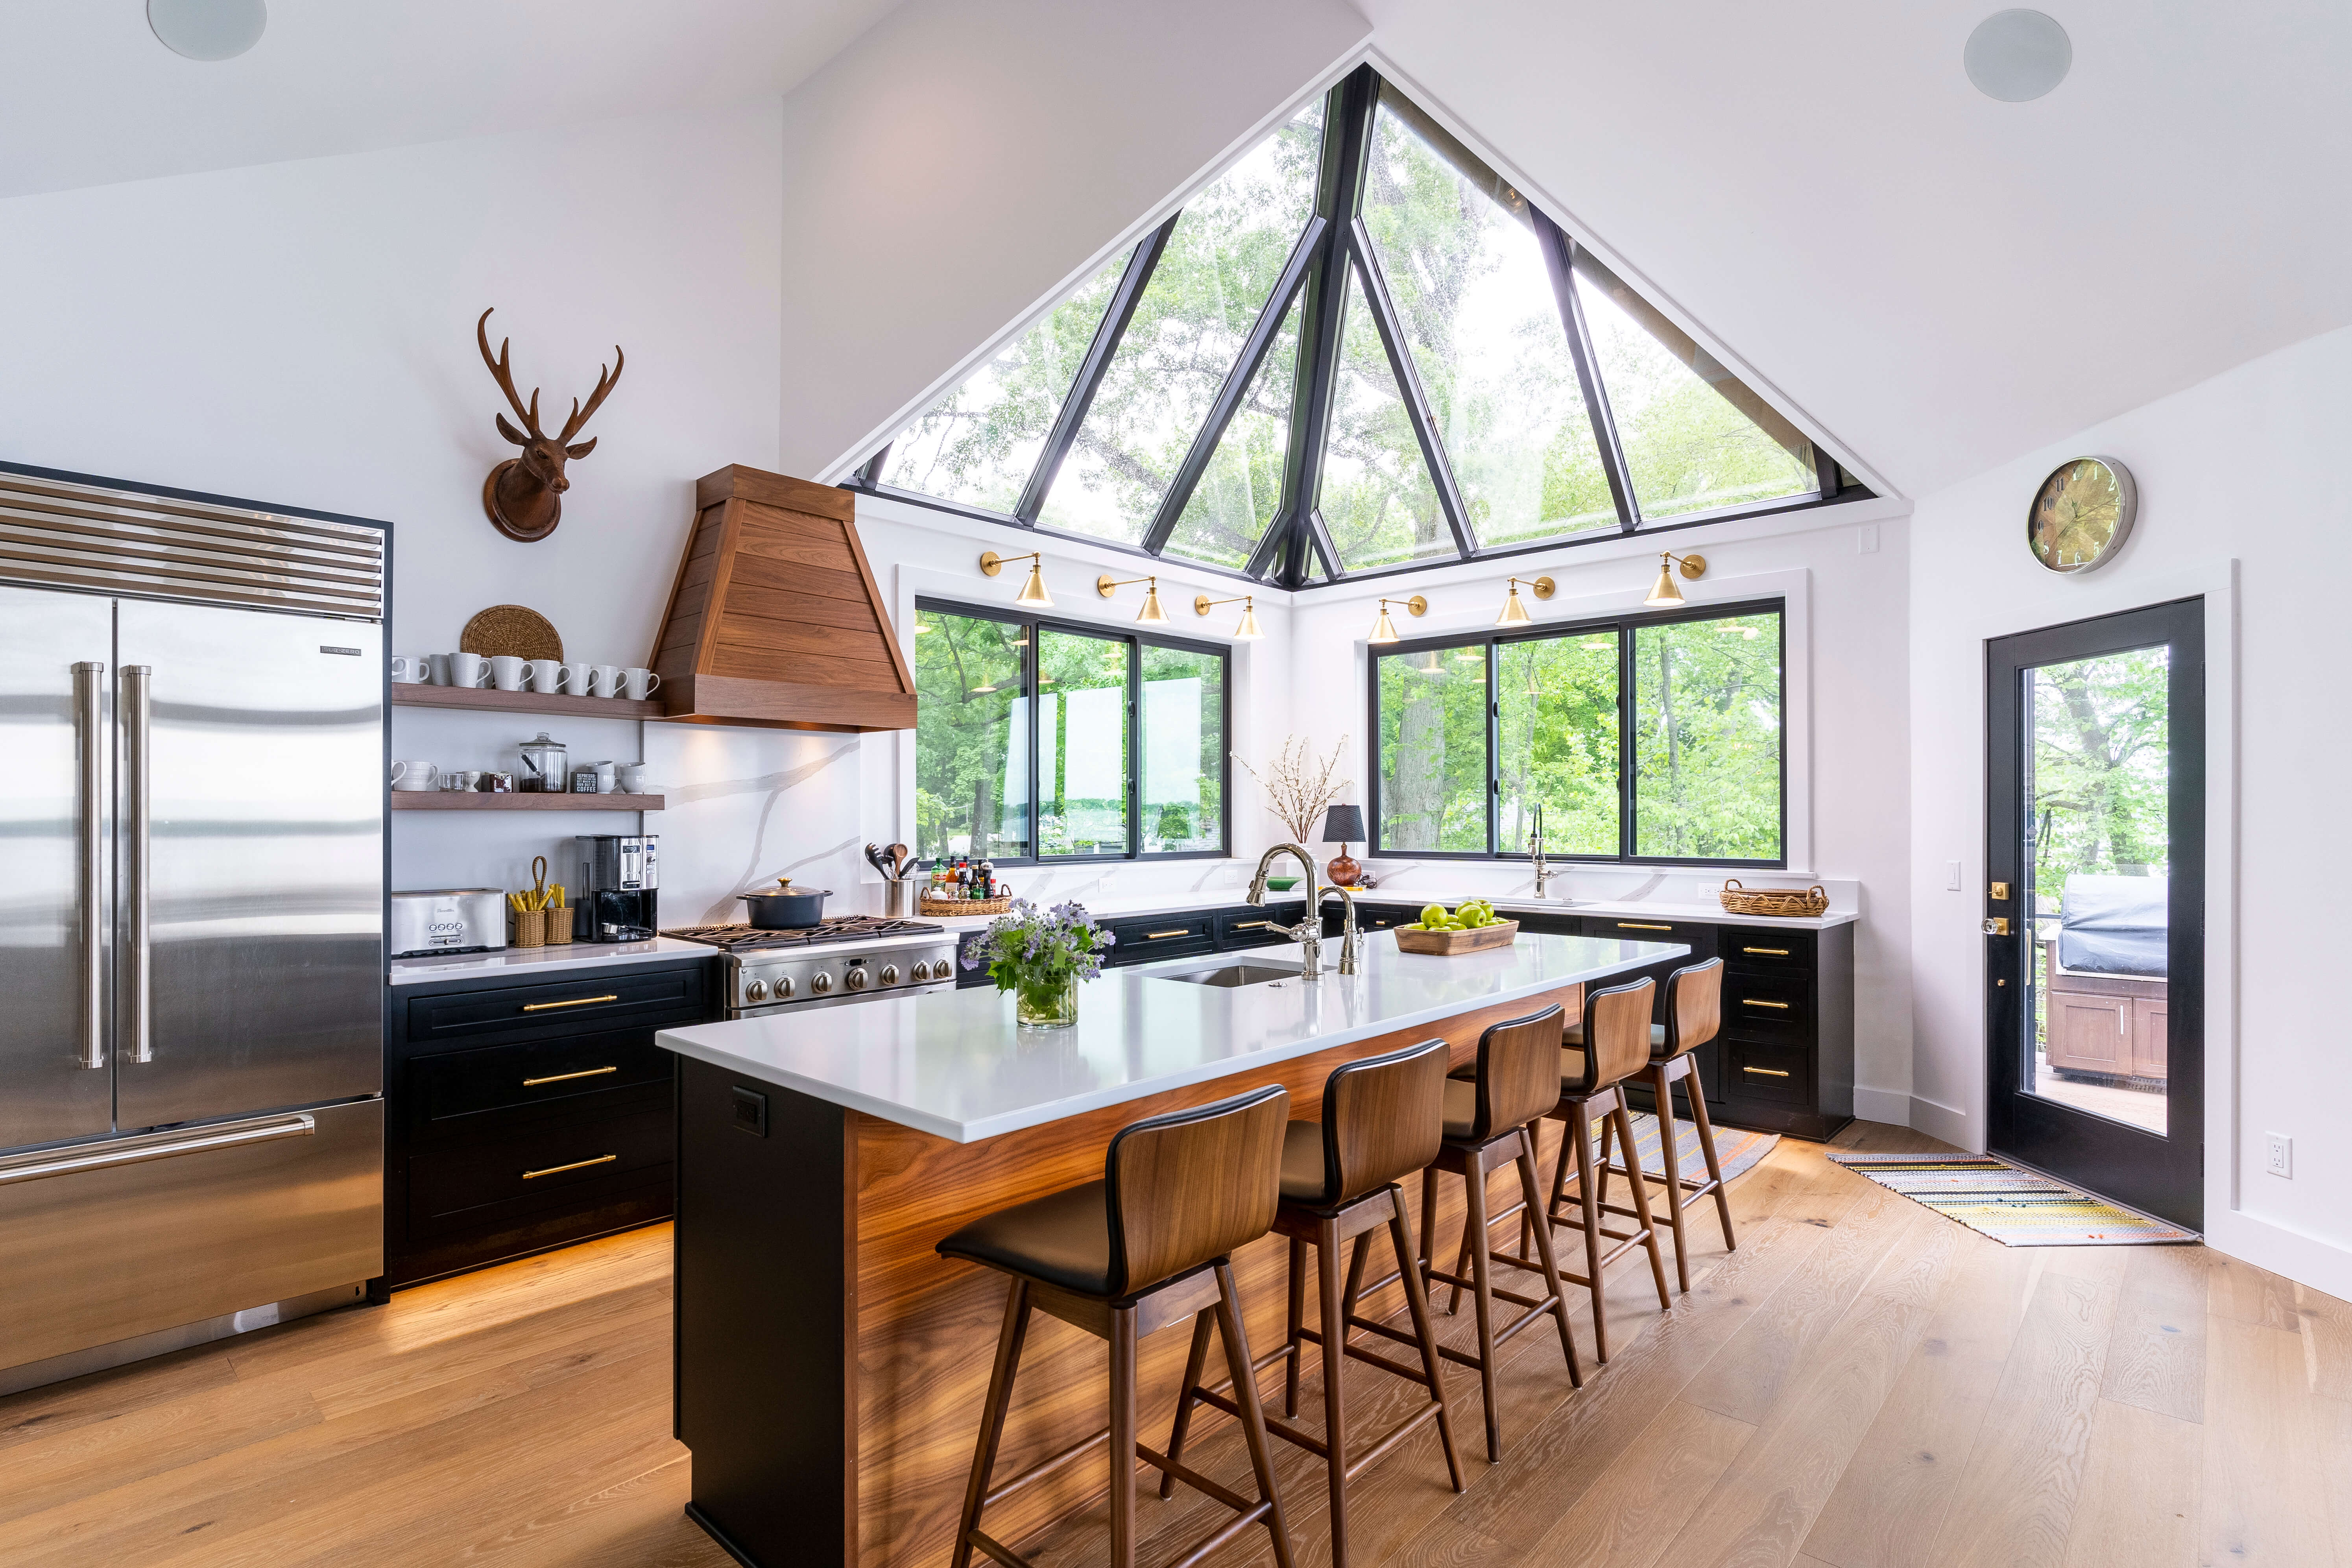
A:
(584, 1164)
(1752, 1002)
(1765, 1072)
(1158, 935)
(1768, 951)
(575, 1002)
(1641, 925)
(568, 1077)
(1253, 925)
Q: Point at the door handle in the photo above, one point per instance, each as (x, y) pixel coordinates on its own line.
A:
(134, 1151)
(89, 748)
(138, 822)
(575, 1002)
(1997, 925)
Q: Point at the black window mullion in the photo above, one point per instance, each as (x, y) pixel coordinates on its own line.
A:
(869, 473)
(1319, 534)
(1626, 747)
(1134, 748)
(1825, 471)
(1036, 717)
(1493, 751)
(1416, 397)
(1560, 261)
(1269, 552)
(1108, 333)
(1228, 401)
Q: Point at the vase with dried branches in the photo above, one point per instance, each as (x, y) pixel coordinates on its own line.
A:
(1299, 784)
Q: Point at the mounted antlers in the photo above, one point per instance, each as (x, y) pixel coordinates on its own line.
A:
(522, 494)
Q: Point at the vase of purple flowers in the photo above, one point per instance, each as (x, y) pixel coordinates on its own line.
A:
(1041, 955)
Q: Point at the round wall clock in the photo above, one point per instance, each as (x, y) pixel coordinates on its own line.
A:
(2080, 514)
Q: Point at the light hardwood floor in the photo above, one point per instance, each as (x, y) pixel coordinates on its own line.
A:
(1860, 1385)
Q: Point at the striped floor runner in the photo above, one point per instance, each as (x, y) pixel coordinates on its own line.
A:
(2015, 1207)
(1738, 1149)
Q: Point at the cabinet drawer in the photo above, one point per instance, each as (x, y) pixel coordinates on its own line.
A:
(592, 1000)
(1148, 940)
(1764, 950)
(1751, 998)
(1256, 927)
(1776, 1073)
(538, 1072)
(1377, 917)
(555, 1166)
(1698, 935)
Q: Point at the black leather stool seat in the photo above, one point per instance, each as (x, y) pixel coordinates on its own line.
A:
(1305, 1180)
(1573, 1036)
(1062, 1238)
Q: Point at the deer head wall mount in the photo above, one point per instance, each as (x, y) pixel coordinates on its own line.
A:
(524, 495)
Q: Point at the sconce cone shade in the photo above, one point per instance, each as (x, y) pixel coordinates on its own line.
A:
(1032, 592)
(1247, 631)
(1151, 611)
(1665, 592)
(1514, 614)
(1383, 630)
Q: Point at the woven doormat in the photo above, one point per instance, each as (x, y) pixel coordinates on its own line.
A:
(1739, 1151)
(2016, 1208)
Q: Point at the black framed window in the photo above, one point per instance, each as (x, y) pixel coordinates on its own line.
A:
(1044, 741)
(1652, 738)
(1359, 351)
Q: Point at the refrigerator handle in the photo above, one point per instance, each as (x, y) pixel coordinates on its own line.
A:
(89, 748)
(136, 1034)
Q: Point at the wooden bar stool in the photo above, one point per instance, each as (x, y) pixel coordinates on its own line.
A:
(1694, 1010)
(1145, 1248)
(1382, 1120)
(1613, 1045)
(1517, 1080)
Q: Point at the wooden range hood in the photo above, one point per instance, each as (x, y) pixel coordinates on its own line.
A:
(774, 620)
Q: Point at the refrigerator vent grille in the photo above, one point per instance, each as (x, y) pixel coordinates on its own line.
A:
(62, 535)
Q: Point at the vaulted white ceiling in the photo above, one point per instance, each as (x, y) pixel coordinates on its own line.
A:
(1940, 280)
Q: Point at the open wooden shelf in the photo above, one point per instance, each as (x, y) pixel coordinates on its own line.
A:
(485, 698)
(475, 800)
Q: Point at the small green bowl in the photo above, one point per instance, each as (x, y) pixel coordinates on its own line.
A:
(1282, 884)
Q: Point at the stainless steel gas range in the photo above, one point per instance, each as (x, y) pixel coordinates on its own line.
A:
(855, 958)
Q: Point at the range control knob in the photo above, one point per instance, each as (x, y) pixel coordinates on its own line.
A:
(889, 975)
(822, 982)
(856, 978)
(783, 986)
(919, 971)
(756, 991)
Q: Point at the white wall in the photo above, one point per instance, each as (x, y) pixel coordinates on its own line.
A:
(1844, 572)
(2246, 468)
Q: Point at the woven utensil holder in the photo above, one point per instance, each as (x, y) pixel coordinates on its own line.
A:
(558, 927)
(967, 906)
(529, 928)
(1774, 903)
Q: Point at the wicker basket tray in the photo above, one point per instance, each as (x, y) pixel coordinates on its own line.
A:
(1776, 903)
(1446, 943)
(966, 906)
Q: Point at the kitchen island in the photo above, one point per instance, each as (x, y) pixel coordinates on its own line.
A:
(831, 1366)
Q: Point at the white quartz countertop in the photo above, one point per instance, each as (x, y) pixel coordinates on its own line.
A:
(1414, 897)
(954, 1064)
(1138, 904)
(530, 963)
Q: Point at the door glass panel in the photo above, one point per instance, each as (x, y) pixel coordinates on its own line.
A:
(1081, 743)
(1558, 733)
(2097, 767)
(1433, 780)
(972, 741)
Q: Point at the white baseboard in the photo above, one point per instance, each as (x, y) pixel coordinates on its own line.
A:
(1945, 1121)
(2305, 1259)
(1888, 1105)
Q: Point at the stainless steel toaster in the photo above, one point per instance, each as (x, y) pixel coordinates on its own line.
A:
(448, 919)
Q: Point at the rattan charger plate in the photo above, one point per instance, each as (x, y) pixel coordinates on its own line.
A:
(511, 629)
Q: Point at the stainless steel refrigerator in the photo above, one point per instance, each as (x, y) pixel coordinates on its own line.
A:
(191, 855)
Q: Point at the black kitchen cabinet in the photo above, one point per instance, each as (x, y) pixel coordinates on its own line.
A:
(1180, 933)
(523, 1116)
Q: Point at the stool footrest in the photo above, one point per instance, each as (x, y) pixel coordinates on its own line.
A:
(1046, 1466)
(1197, 1482)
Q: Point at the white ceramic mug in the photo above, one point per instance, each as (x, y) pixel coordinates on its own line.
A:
(437, 669)
(412, 668)
(546, 676)
(415, 776)
(507, 672)
(606, 680)
(607, 779)
(578, 678)
(631, 778)
(468, 669)
(640, 684)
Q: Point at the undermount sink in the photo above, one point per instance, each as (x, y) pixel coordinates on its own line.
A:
(1232, 975)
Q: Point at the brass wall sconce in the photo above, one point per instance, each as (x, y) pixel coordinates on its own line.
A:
(1515, 613)
(1032, 592)
(1151, 614)
(1245, 632)
(1666, 592)
(1384, 629)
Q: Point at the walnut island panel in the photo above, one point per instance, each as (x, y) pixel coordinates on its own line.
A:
(831, 1366)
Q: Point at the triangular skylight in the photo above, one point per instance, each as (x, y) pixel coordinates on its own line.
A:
(1357, 343)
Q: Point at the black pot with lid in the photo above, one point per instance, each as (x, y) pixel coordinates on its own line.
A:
(785, 907)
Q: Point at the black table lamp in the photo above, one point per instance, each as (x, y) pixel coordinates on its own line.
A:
(1343, 825)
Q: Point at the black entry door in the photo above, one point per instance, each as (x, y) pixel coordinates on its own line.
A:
(2096, 913)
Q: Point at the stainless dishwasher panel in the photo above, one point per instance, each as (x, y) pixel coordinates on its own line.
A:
(107, 1240)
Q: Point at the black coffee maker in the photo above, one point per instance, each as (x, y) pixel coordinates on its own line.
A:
(620, 877)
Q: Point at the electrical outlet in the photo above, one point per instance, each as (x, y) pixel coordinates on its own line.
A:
(2282, 1155)
(1951, 876)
